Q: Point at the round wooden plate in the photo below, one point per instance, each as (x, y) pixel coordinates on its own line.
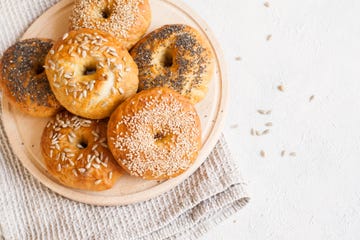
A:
(24, 132)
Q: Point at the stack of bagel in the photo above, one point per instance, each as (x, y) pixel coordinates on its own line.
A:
(119, 102)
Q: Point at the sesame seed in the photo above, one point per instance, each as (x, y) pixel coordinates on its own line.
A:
(121, 91)
(88, 166)
(97, 182)
(58, 167)
(60, 48)
(82, 170)
(311, 98)
(110, 175)
(81, 155)
(74, 172)
(79, 146)
(95, 165)
(65, 36)
(52, 51)
(267, 4)
(94, 147)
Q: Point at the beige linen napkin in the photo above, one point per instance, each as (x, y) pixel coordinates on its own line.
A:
(29, 210)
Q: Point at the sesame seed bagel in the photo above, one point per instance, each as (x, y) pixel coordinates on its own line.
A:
(127, 20)
(155, 134)
(90, 73)
(23, 80)
(76, 153)
(175, 56)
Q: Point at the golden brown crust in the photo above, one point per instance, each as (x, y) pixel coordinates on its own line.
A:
(90, 73)
(23, 80)
(128, 20)
(155, 134)
(76, 153)
(175, 56)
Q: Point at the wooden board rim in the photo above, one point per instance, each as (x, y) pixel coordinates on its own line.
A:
(20, 150)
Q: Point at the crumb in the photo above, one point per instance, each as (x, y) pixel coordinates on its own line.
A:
(32, 145)
(267, 4)
(234, 126)
(205, 116)
(280, 88)
(268, 37)
(262, 153)
(22, 143)
(292, 154)
(234, 221)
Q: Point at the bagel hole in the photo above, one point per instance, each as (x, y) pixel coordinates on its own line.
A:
(83, 143)
(167, 58)
(105, 13)
(89, 70)
(161, 138)
(39, 69)
(158, 136)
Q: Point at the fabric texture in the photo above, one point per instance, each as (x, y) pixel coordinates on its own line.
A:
(30, 210)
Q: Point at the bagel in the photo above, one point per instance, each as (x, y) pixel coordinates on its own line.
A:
(76, 153)
(155, 134)
(23, 80)
(90, 73)
(127, 20)
(175, 56)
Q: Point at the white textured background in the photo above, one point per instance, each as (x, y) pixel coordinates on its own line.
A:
(314, 50)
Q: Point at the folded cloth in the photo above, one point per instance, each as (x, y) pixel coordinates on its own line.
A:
(29, 210)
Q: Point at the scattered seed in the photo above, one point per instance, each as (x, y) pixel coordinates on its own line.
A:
(268, 112)
(257, 133)
(261, 111)
(311, 98)
(238, 59)
(262, 153)
(292, 154)
(269, 124)
(252, 132)
(282, 153)
(268, 37)
(267, 4)
(234, 126)
(265, 132)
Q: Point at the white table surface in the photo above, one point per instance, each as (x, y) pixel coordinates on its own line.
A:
(314, 50)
